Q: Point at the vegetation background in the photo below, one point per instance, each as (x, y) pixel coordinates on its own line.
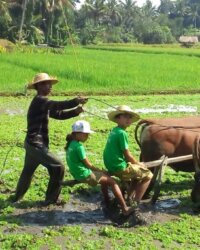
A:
(115, 66)
(98, 21)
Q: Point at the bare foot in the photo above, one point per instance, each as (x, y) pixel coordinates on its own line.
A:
(128, 211)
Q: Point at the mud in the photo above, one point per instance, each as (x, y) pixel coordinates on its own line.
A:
(105, 93)
(170, 108)
(12, 111)
(86, 209)
(161, 109)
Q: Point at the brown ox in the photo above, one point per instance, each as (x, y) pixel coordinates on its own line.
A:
(171, 137)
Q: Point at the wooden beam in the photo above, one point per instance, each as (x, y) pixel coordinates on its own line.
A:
(151, 164)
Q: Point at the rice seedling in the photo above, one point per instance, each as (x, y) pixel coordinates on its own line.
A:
(103, 72)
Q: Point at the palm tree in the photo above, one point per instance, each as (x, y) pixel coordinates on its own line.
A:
(194, 14)
(128, 10)
(5, 19)
(49, 7)
(4, 10)
(149, 11)
(95, 9)
(24, 5)
(113, 15)
(181, 8)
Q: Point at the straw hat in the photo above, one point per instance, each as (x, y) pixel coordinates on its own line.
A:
(123, 110)
(40, 78)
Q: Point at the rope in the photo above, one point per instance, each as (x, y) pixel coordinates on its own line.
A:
(102, 102)
(96, 115)
(178, 127)
(9, 150)
(101, 117)
(71, 40)
(149, 122)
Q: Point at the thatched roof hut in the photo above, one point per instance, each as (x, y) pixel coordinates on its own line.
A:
(188, 40)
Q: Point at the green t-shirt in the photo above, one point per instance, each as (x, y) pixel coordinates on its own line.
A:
(117, 142)
(75, 154)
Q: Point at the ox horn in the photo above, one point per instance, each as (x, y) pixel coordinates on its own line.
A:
(196, 154)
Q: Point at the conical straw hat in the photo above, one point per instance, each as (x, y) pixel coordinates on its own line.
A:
(40, 78)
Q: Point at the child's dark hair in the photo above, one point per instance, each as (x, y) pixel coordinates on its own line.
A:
(69, 138)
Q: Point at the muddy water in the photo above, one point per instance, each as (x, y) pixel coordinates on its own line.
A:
(82, 209)
(86, 209)
(170, 108)
(12, 111)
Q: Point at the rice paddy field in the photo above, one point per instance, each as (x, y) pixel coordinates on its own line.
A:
(105, 70)
(107, 76)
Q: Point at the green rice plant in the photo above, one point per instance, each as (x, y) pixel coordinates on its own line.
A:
(180, 233)
(104, 72)
(175, 49)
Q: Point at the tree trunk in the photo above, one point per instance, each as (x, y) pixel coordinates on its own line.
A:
(22, 20)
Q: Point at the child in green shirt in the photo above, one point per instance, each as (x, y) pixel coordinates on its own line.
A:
(118, 159)
(82, 169)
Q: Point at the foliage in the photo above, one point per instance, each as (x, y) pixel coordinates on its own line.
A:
(7, 45)
(2, 49)
(158, 35)
(97, 21)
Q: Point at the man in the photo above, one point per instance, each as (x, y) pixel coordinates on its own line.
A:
(37, 140)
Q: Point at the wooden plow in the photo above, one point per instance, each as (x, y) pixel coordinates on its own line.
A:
(159, 170)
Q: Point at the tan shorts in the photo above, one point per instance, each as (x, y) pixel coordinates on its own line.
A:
(93, 179)
(134, 172)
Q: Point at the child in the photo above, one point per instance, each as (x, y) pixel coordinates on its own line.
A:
(118, 159)
(83, 170)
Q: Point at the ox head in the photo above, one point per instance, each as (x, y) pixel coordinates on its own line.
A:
(195, 194)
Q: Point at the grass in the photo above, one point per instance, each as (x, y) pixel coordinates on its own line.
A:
(138, 70)
(170, 49)
(182, 233)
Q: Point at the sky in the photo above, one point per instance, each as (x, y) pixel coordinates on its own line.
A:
(139, 3)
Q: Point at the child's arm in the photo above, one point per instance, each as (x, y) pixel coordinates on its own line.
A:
(129, 157)
(89, 165)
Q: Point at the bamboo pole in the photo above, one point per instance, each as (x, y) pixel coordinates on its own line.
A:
(156, 163)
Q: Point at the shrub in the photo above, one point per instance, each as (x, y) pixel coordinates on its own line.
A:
(2, 49)
(7, 45)
(158, 35)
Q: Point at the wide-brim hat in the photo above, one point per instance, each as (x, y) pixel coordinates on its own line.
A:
(123, 110)
(41, 78)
